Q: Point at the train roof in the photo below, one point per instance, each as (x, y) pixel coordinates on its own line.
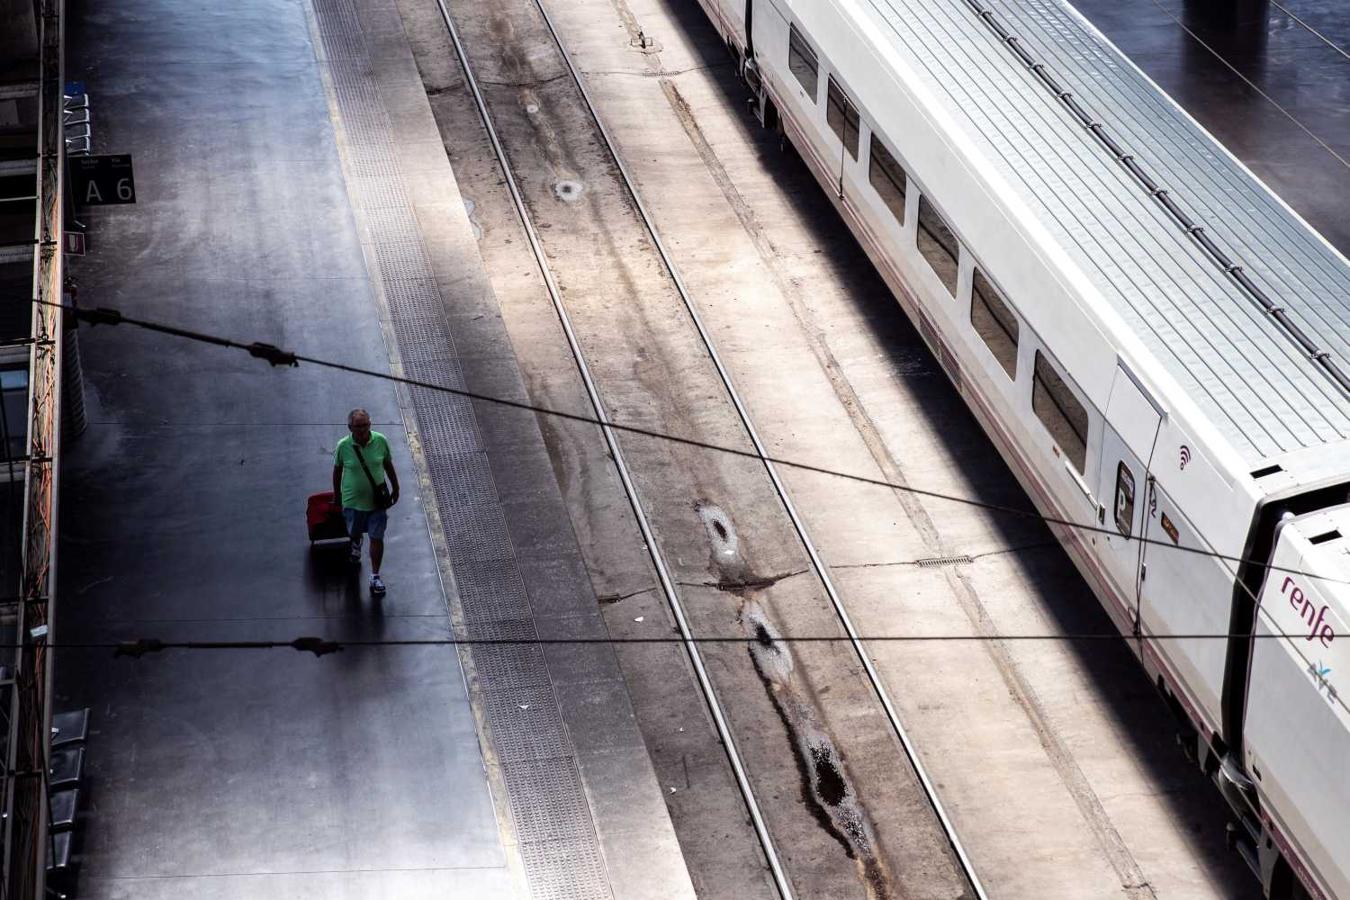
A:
(1262, 391)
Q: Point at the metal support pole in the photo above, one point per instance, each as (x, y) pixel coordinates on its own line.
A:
(29, 695)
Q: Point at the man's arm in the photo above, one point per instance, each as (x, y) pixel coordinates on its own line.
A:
(393, 479)
(337, 484)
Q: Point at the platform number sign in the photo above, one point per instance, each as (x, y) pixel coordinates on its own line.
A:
(100, 180)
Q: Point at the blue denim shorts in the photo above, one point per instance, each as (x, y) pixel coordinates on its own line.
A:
(361, 521)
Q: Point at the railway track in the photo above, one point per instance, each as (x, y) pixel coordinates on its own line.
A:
(824, 768)
(620, 465)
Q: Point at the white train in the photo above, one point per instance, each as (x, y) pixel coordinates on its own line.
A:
(1155, 342)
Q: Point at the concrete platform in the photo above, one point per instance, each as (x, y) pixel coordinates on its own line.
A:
(285, 195)
(236, 774)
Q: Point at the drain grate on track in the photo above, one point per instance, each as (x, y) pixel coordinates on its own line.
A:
(933, 562)
(557, 838)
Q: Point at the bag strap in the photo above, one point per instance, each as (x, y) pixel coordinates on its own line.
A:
(365, 468)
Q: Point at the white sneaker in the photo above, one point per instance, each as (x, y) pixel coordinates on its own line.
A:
(376, 585)
(354, 557)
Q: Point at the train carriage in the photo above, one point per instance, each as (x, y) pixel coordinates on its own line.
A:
(1155, 342)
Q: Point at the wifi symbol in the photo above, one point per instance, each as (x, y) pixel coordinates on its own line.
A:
(1185, 455)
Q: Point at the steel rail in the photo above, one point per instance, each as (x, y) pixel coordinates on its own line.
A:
(822, 571)
(780, 878)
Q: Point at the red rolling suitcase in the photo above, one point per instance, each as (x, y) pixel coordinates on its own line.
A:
(324, 518)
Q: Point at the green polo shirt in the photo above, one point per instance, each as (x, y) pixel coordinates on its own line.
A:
(356, 490)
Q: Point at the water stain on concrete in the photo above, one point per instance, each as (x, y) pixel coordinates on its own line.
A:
(568, 190)
(826, 789)
(471, 208)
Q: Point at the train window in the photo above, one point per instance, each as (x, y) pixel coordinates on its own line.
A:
(802, 61)
(888, 178)
(937, 243)
(1060, 412)
(1124, 499)
(994, 322)
(842, 116)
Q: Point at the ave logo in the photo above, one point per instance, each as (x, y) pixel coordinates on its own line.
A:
(101, 180)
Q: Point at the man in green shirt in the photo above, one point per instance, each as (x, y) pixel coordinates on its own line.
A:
(361, 464)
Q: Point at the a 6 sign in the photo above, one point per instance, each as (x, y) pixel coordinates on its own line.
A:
(99, 180)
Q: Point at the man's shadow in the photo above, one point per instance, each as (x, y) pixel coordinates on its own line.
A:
(336, 585)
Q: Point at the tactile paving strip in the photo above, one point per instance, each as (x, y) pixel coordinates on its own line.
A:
(556, 868)
(553, 821)
(472, 533)
(501, 666)
(525, 725)
(498, 588)
(467, 475)
(555, 784)
(515, 666)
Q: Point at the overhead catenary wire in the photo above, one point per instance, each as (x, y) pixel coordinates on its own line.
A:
(278, 357)
(136, 648)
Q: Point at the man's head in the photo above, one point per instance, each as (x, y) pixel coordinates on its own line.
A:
(358, 423)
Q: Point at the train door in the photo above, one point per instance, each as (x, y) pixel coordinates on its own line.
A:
(760, 103)
(842, 116)
(1132, 420)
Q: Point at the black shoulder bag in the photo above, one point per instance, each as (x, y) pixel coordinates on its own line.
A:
(383, 499)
